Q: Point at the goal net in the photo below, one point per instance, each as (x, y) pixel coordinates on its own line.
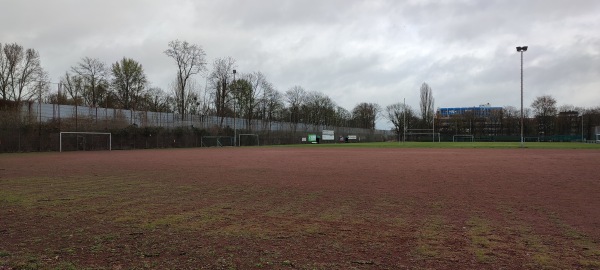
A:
(85, 141)
(462, 138)
(422, 135)
(248, 140)
(216, 141)
(531, 139)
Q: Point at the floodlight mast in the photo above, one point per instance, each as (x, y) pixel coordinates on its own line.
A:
(234, 111)
(521, 50)
(404, 122)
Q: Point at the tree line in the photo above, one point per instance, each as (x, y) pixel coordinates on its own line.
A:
(226, 93)
(125, 85)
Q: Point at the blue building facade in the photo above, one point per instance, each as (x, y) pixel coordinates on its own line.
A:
(480, 111)
(483, 120)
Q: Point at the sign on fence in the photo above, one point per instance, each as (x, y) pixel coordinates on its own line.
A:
(328, 135)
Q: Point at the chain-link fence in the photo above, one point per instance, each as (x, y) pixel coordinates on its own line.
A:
(38, 127)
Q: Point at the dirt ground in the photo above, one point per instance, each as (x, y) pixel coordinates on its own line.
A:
(301, 208)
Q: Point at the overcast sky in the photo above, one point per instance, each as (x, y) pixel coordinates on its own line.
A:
(353, 51)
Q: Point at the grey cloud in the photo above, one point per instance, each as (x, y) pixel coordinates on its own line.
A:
(353, 51)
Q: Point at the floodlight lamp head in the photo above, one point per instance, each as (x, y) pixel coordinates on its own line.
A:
(524, 48)
(234, 71)
(518, 49)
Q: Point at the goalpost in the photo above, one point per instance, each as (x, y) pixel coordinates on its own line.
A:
(75, 141)
(462, 138)
(426, 132)
(531, 139)
(216, 141)
(248, 140)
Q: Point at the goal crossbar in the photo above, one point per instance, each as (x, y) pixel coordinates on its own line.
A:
(531, 139)
(471, 137)
(426, 133)
(420, 130)
(210, 141)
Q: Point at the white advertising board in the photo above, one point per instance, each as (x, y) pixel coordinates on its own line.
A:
(328, 135)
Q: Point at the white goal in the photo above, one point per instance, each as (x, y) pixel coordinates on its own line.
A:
(531, 139)
(216, 141)
(422, 135)
(84, 141)
(462, 138)
(248, 140)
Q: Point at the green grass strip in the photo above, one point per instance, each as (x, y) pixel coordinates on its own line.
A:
(455, 145)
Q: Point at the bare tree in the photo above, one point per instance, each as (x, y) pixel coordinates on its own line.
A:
(128, 81)
(511, 120)
(154, 99)
(426, 105)
(219, 79)
(73, 85)
(242, 98)
(544, 108)
(60, 97)
(342, 117)
(5, 71)
(205, 102)
(272, 106)
(295, 98)
(189, 97)
(20, 73)
(365, 115)
(93, 73)
(318, 109)
(401, 116)
(248, 97)
(190, 59)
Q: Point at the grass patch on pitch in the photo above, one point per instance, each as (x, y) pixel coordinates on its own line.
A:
(431, 237)
(483, 239)
(586, 247)
(465, 145)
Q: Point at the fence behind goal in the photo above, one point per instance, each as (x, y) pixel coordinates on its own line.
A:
(248, 140)
(216, 141)
(85, 141)
(462, 138)
(422, 135)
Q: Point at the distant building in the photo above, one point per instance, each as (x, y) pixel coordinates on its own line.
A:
(482, 120)
(568, 123)
(479, 111)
